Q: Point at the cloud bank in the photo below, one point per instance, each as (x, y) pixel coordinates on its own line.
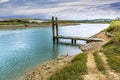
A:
(67, 9)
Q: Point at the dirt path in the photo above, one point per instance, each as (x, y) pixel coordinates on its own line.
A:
(93, 72)
(109, 72)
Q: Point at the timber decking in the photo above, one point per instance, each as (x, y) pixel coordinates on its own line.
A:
(78, 38)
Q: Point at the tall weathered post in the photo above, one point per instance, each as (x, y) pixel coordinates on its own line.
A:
(53, 29)
(56, 20)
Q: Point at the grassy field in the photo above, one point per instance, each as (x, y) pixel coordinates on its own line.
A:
(112, 48)
(74, 71)
(99, 62)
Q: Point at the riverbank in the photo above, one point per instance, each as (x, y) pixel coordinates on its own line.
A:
(102, 59)
(43, 72)
(33, 25)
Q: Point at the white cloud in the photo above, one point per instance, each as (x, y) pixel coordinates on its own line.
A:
(86, 14)
(87, 3)
(39, 11)
(3, 1)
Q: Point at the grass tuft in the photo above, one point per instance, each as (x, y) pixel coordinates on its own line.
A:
(74, 71)
(99, 62)
(114, 26)
(112, 51)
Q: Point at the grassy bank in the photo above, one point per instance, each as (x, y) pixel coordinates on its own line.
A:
(99, 62)
(73, 71)
(112, 48)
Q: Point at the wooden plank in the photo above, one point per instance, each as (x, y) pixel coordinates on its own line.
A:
(78, 38)
(109, 34)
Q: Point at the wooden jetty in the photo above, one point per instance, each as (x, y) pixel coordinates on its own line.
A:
(73, 39)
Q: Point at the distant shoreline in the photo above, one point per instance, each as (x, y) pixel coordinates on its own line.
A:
(37, 25)
(23, 26)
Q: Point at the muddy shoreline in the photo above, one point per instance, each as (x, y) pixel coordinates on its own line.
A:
(45, 70)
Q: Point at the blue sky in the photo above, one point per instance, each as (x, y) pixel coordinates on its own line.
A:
(63, 9)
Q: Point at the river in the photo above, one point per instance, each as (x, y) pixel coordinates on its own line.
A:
(22, 50)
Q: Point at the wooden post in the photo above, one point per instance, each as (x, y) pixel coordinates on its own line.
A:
(56, 20)
(74, 41)
(53, 29)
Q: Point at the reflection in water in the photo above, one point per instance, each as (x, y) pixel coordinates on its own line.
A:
(22, 50)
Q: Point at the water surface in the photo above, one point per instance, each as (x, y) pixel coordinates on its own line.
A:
(22, 50)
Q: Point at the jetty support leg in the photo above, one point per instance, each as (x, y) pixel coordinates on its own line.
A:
(53, 29)
(72, 41)
(56, 20)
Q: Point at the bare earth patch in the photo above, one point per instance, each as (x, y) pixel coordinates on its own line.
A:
(93, 72)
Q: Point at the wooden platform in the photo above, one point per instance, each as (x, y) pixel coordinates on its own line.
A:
(73, 39)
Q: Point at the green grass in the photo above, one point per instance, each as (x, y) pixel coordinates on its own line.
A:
(112, 51)
(114, 26)
(99, 62)
(74, 71)
(116, 37)
(112, 48)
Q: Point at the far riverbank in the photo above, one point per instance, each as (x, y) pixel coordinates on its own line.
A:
(33, 25)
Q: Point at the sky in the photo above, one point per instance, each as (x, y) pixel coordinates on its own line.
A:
(63, 9)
